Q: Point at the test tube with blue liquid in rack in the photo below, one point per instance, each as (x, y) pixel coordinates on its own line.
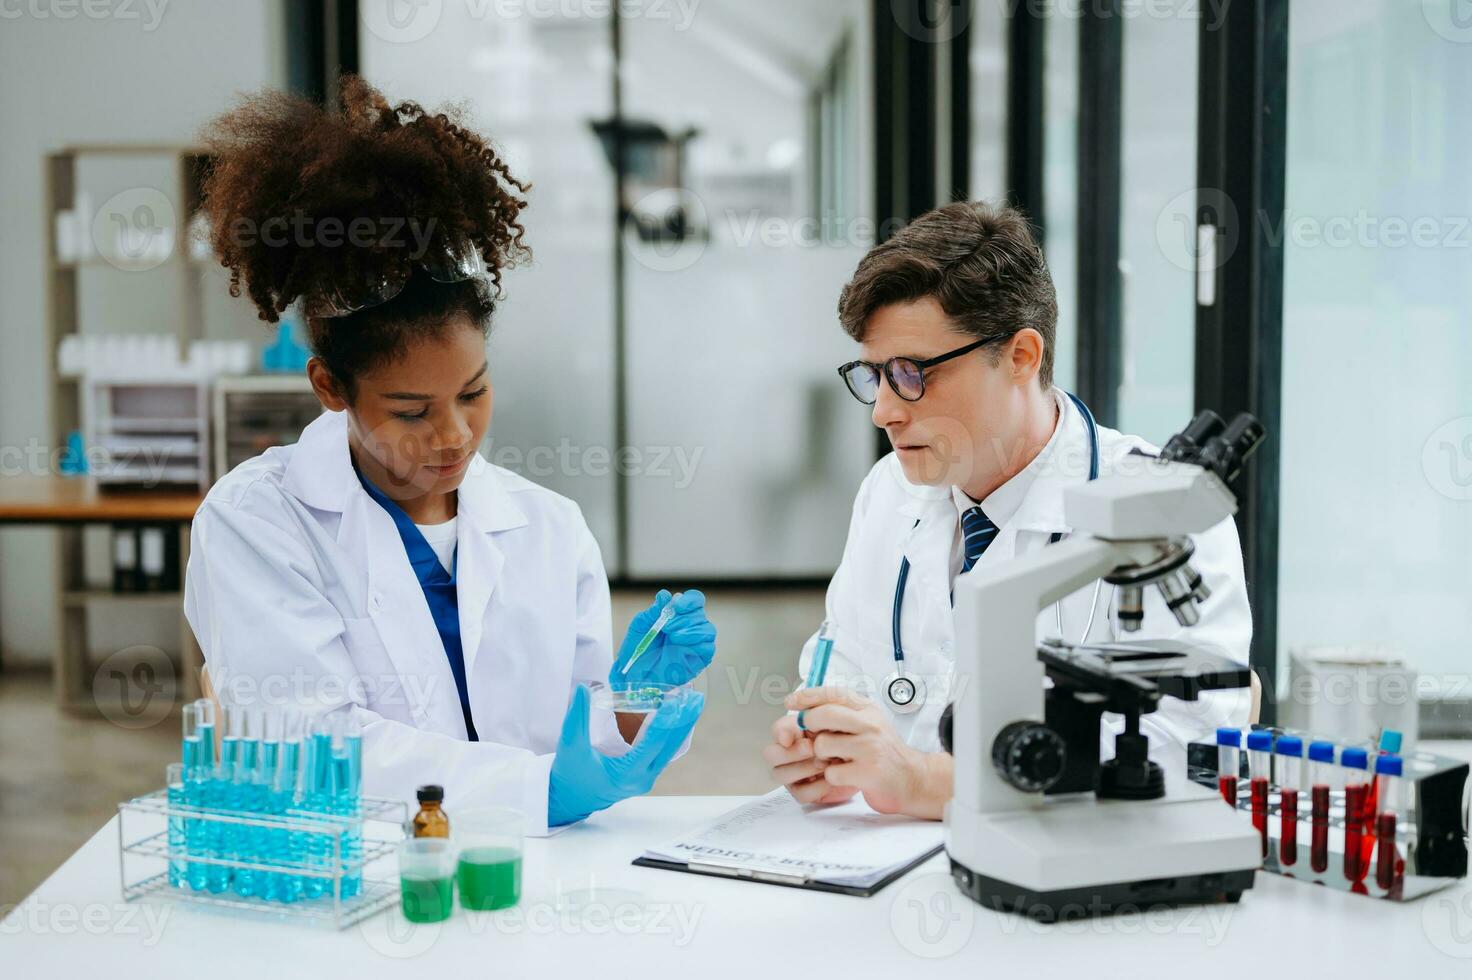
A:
(198, 762)
(347, 784)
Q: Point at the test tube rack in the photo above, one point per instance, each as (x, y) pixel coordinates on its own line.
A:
(1430, 850)
(152, 866)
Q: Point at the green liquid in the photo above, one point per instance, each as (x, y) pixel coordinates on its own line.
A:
(490, 878)
(426, 899)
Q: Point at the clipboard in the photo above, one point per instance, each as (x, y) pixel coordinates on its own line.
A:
(786, 879)
(845, 848)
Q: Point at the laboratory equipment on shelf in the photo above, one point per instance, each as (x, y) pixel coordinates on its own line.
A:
(275, 823)
(1038, 824)
(1380, 823)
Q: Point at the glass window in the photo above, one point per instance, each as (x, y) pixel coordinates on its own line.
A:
(532, 84)
(1157, 180)
(1060, 185)
(764, 109)
(987, 64)
(1376, 498)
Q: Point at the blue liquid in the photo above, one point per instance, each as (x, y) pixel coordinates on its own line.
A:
(318, 802)
(262, 842)
(346, 780)
(196, 833)
(286, 845)
(243, 798)
(220, 836)
(178, 868)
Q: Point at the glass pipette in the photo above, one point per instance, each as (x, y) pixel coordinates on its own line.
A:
(665, 615)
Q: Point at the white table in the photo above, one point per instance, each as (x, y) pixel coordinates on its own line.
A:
(76, 925)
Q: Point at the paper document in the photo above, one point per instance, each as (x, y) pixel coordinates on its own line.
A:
(848, 844)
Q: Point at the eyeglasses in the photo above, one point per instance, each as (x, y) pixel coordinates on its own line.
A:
(446, 261)
(906, 375)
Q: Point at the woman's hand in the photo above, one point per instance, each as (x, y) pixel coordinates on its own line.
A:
(679, 652)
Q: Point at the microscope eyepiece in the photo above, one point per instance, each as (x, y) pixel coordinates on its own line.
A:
(1225, 454)
(1186, 444)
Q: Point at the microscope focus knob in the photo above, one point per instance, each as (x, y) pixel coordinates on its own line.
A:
(1030, 756)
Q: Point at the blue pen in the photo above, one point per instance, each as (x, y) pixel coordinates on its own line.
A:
(818, 669)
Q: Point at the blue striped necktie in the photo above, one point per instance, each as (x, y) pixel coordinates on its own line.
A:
(979, 533)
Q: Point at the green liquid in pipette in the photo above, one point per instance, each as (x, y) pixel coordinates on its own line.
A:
(643, 645)
(489, 878)
(426, 899)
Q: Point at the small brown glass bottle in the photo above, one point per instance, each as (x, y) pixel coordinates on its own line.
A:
(431, 821)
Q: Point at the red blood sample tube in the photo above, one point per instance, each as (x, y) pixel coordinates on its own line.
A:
(1388, 789)
(1289, 761)
(1321, 780)
(1356, 793)
(1260, 769)
(1228, 762)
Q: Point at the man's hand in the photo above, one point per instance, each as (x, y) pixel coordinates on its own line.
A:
(854, 747)
(793, 765)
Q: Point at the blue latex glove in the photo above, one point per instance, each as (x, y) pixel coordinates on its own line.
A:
(584, 780)
(680, 651)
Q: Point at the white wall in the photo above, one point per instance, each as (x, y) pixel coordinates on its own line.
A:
(149, 72)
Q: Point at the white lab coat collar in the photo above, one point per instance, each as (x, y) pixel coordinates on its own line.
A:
(320, 475)
(1063, 463)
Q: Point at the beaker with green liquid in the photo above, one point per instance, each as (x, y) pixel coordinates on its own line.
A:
(488, 871)
(427, 878)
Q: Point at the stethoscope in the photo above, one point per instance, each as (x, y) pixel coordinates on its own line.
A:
(905, 694)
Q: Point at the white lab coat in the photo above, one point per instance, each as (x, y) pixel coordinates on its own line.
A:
(893, 518)
(299, 591)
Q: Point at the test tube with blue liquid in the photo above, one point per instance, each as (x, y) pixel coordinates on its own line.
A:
(220, 796)
(174, 784)
(264, 780)
(818, 669)
(347, 764)
(288, 847)
(243, 800)
(314, 803)
(198, 755)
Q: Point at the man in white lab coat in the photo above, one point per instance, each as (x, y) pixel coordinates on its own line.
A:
(956, 319)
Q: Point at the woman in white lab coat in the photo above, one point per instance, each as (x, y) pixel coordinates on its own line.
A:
(380, 566)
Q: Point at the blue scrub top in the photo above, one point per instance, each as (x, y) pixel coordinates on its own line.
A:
(439, 592)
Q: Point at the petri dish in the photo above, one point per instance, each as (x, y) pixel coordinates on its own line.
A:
(632, 698)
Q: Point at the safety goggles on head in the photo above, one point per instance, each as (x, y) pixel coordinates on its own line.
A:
(448, 260)
(906, 375)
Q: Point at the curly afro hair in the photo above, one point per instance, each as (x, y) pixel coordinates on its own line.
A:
(304, 202)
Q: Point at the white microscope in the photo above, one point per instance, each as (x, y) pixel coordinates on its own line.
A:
(1037, 824)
